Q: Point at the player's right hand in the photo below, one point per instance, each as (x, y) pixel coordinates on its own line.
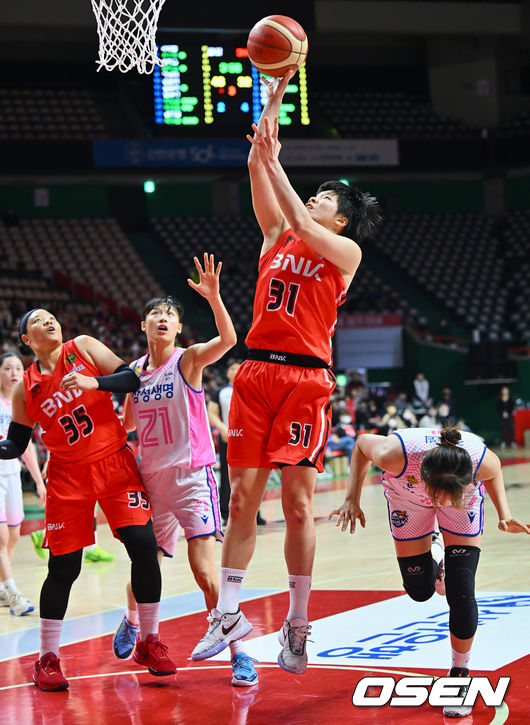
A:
(348, 513)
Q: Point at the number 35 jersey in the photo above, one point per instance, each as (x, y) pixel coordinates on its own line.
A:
(170, 418)
(79, 426)
(296, 300)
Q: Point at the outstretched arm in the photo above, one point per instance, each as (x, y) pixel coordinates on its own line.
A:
(195, 358)
(266, 208)
(344, 253)
(385, 453)
(491, 474)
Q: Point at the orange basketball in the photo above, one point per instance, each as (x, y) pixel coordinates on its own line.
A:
(277, 44)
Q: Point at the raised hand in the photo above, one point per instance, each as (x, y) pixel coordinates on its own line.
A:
(208, 285)
(276, 87)
(266, 140)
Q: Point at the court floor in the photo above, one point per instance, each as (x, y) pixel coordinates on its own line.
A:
(363, 624)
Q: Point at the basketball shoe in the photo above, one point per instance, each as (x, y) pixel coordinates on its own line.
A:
(98, 554)
(47, 674)
(243, 669)
(151, 653)
(293, 637)
(223, 629)
(124, 639)
(4, 596)
(438, 554)
(37, 537)
(18, 605)
(458, 710)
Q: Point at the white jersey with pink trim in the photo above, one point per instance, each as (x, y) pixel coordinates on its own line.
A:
(415, 443)
(170, 418)
(11, 466)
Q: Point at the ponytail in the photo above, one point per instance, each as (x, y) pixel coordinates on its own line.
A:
(447, 469)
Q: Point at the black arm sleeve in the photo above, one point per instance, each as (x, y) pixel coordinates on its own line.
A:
(122, 380)
(18, 437)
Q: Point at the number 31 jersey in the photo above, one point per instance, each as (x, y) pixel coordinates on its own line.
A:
(296, 300)
(79, 426)
(170, 418)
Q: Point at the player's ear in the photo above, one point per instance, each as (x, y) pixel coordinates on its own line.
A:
(142, 325)
(342, 221)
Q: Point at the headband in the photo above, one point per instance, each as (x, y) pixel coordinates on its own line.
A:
(23, 325)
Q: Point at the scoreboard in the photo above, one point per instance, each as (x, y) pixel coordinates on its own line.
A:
(217, 87)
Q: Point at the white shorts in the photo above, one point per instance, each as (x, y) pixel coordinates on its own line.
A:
(186, 497)
(11, 506)
(410, 519)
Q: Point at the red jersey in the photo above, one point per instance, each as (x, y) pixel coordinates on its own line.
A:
(78, 425)
(297, 295)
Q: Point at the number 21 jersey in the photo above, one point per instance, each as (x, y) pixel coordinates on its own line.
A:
(170, 418)
(296, 300)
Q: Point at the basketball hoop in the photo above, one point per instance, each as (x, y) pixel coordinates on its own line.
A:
(126, 30)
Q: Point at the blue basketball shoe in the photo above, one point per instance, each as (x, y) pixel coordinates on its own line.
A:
(243, 669)
(124, 639)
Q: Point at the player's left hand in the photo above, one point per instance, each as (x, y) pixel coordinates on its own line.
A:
(513, 526)
(208, 285)
(81, 382)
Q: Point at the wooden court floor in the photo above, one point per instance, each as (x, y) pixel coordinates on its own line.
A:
(350, 572)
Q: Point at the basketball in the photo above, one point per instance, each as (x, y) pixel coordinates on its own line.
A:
(277, 44)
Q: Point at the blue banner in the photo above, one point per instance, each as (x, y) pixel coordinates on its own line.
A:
(223, 153)
(163, 152)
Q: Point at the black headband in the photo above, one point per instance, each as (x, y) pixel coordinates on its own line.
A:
(23, 325)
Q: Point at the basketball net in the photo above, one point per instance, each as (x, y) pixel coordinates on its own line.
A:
(126, 30)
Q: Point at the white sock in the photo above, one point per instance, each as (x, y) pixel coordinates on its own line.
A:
(148, 616)
(10, 585)
(50, 635)
(460, 659)
(230, 590)
(299, 590)
(131, 616)
(236, 647)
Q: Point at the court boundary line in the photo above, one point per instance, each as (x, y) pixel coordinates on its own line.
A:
(501, 713)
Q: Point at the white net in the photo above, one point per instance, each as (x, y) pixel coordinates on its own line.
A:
(126, 30)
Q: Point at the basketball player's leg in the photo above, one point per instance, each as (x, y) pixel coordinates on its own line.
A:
(201, 556)
(128, 513)
(227, 622)
(298, 486)
(11, 516)
(461, 560)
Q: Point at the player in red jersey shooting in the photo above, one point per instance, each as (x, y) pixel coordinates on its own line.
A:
(68, 391)
(280, 411)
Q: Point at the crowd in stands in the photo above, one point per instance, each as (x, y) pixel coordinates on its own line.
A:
(359, 407)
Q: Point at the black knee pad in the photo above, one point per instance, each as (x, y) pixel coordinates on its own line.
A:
(139, 541)
(65, 568)
(419, 575)
(460, 568)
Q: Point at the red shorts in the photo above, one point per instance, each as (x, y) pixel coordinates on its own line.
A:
(74, 489)
(279, 414)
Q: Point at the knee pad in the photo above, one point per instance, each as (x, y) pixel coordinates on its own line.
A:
(139, 541)
(419, 575)
(65, 568)
(460, 568)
